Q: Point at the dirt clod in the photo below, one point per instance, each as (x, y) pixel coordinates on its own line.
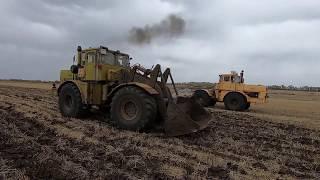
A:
(218, 172)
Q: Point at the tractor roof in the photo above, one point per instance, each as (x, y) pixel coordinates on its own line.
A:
(228, 74)
(117, 52)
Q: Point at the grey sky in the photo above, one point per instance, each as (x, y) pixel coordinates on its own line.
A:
(274, 41)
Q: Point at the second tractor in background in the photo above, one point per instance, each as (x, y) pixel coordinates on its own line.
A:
(233, 92)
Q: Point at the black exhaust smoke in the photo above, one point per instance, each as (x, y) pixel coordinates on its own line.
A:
(170, 27)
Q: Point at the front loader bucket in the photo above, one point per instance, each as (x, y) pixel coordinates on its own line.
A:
(185, 117)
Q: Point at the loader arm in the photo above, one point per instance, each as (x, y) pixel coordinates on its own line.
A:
(167, 73)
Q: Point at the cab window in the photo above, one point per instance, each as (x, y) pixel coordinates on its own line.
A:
(237, 79)
(108, 58)
(226, 78)
(123, 60)
(91, 58)
(83, 58)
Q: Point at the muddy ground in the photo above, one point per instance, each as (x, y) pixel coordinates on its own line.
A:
(37, 143)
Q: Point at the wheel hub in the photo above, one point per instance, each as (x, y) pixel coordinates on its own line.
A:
(129, 110)
(234, 102)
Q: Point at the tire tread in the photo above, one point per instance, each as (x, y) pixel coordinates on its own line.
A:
(149, 101)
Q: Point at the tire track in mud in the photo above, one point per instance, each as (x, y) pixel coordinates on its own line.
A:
(44, 154)
(28, 146)
(235, 145)
(134, 153)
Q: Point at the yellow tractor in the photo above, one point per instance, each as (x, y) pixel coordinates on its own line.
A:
(135, 97)
(233, 92)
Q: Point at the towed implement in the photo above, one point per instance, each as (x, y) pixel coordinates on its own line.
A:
(136, 98)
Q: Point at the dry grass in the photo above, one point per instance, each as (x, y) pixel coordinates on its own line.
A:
(296, 107)
(26, 84)
(292, 104)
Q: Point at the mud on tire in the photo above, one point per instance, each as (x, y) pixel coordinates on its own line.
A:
(133, 109)
(70, 102)
(203, 98)
(235, 101)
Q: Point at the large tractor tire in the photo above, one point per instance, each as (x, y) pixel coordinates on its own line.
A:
(235, 102)
(133, 109)
(203, 98)
(70, 102)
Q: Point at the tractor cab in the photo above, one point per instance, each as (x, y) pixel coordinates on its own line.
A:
(102, 56)
(97, 64)
(233, 77)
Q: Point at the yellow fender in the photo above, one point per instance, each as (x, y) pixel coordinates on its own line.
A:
(209, 92)
(150, 90)
(240, 92)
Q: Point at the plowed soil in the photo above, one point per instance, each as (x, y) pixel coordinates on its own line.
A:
(37, 143)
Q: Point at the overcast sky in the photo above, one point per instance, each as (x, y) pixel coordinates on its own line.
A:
(274, 41)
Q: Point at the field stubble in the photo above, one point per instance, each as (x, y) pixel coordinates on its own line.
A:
(36, 142)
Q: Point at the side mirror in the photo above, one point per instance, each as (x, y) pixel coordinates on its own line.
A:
(74, 69)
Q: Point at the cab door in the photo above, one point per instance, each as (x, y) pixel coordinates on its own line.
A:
(90, 67)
